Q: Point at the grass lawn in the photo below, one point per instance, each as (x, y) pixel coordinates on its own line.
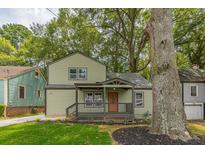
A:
(196, 129)
(68, 134)
(50, 133)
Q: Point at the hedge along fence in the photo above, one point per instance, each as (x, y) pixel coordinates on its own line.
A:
(2, 108)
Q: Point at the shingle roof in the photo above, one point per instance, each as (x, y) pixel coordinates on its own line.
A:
(135, 78)
(192, 75)
(9, 71)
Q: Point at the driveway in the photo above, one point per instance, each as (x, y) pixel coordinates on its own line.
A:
(20, 120)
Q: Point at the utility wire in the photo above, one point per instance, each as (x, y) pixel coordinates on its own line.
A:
(52, 12)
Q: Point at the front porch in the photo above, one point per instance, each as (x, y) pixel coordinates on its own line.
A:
(112, 99)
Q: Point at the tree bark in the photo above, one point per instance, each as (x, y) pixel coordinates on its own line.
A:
(168, 111)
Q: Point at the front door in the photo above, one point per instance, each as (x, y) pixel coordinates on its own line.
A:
(112, 101)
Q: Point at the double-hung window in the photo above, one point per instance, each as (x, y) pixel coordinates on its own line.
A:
(82, 73)
(93, 99)
(139, 99)
(98, 99)
(194, 90)
(89, 99)
(77, 73)
(21, 92)
(73, 73)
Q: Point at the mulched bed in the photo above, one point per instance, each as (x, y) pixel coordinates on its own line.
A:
(141, 136)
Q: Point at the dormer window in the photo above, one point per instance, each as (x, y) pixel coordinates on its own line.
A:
(77, 73)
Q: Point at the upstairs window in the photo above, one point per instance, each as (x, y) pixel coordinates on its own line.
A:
(73, 73)
(194, 90)
(21, 92)
(82, 73)
(78, 73)
(139, 99)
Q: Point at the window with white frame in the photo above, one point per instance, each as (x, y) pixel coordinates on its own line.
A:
(194, 90)
(78, 73)
(139, 99)
(21, 92)
(89, 99)
(93, 99)
(72, 73)
(98, 99)
(82, 73)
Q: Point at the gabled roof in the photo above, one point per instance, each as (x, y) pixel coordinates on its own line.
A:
(112, 80)
(10, 71)
(74, 53)
(192, 75)
(134, 78)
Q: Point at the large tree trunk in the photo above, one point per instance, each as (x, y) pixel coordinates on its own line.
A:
(168, 111)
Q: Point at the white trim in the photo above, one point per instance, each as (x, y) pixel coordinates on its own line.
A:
(20, 85)
(93, 98)
(77, 73)
(197, 104)
(86, 72)
(69, 78)
(140, 92)
(197, 90)
(5, 92)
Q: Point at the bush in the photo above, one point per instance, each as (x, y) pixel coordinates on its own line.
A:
(48, 120)
(34, 110)
(38, 119)
(2, 108)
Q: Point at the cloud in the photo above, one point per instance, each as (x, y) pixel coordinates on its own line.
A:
(26, 16)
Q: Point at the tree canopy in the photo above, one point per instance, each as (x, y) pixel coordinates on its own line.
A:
(116, 37)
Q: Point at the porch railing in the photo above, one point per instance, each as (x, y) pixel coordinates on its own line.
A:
(122, 108)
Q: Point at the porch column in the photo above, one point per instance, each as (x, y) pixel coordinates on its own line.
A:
(76, 100)
(133, 101)
(104, 100)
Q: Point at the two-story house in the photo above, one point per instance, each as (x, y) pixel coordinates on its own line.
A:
(79, 85)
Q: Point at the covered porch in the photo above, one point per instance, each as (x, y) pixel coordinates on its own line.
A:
(109, 99)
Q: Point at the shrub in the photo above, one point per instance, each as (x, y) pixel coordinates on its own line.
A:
(2, 108)
(38, 119)
(34, 110)
(48, 120)
(58, 120)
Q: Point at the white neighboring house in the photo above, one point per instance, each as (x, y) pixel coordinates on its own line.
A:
(193, 92)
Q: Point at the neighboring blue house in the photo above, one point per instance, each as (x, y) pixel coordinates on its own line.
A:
(21, 89)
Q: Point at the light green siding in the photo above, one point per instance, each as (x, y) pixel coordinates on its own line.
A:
(1, 91)
(31, 84)
(58, 71)
(58, 100)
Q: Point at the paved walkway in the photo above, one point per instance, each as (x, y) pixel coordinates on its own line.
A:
(12, 121)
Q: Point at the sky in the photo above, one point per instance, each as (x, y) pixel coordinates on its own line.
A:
(26, 16)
